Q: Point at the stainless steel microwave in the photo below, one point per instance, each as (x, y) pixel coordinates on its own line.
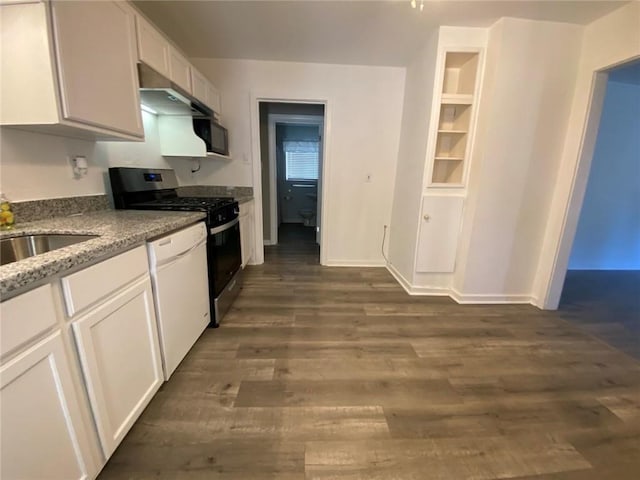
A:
(214, 135)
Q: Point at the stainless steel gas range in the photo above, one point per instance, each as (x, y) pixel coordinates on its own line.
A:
(157, 189)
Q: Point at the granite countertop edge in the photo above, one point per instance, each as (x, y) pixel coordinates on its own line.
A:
(118, 231)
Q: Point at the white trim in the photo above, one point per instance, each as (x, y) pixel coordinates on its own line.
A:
(269, 243)
(490, 299)
(554, 284)
(354, 263)
(272, 120)
(416, 290)
(404, 283)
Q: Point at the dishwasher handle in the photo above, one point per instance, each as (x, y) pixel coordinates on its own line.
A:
(181, 255)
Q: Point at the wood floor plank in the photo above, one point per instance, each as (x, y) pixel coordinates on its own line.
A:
(385, 368)
(398, 392)
(339, 349)
(499, 418)
(484, 458)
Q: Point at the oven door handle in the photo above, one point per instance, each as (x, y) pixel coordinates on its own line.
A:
(224, 227)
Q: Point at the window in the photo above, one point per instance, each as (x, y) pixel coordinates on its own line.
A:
(301, 160)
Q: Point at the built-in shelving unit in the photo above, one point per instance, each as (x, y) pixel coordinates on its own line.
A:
(454, 119)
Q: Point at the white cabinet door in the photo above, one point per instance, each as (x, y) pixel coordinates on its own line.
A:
(42, 434)
(120, 356)
(213, 98)
(199, 85)
(247, 237)
(179, 69)
(439, 230)
(95, 45)
(153, 48)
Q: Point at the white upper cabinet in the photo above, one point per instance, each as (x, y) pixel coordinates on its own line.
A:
(179, 69)
(199, 85)
(205, 91)
(70, 68)
(213, 98)
(153, 48)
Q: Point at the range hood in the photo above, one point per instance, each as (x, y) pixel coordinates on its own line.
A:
(162, 96)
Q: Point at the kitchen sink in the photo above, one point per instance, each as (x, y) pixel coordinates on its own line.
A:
(25, 246)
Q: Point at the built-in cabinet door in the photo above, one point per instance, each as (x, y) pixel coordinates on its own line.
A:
(439, 231)
(96, 60)
(179, 69)
(153, 48)
(120, 357)
(42, 434)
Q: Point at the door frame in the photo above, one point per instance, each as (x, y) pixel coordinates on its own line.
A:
(551, 286)
(274, 119)
(255, 99)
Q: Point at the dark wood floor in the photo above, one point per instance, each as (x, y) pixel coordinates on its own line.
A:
(336, 373)
(606, 303)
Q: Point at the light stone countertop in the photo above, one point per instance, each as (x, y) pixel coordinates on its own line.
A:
(119, 230)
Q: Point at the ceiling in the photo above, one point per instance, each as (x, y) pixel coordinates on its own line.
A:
(355, 32)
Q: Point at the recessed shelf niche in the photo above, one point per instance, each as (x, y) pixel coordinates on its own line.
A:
(454, 120)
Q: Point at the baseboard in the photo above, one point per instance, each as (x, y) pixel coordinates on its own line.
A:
(415, 290)
(354, 263)
(490, 299)
(404, 283)
(268, 243)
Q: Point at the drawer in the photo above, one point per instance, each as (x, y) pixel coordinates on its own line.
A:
(25, 317)
(87, 286)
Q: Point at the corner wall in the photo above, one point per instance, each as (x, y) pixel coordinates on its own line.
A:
(407, 194)
(521, 130)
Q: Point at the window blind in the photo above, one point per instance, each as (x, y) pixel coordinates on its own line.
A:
(301, 160)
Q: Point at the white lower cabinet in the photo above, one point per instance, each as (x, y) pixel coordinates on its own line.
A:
(120, 357)
(439, 231)
(42, 434)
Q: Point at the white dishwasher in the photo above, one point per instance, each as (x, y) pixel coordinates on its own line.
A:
(178, 264)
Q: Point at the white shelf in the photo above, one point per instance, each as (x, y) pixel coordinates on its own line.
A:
(454, 125)
(457, 99)
(453, 132)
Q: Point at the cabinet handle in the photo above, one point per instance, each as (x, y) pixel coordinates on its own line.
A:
(426, 218)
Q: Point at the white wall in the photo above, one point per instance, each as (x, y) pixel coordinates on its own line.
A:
(608, 234)
(364, 109)
(519, 144)
(145, 154)
(610, 40)
(418, 95)
(37, 166)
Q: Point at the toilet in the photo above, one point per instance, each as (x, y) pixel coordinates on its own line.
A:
(308, 217)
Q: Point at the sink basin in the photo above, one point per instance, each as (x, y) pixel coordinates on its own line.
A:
(18, 248)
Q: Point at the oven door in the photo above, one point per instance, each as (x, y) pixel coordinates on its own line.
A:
(225, 256)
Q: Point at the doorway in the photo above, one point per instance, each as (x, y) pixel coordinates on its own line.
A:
(292, 150)
(602, 282)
